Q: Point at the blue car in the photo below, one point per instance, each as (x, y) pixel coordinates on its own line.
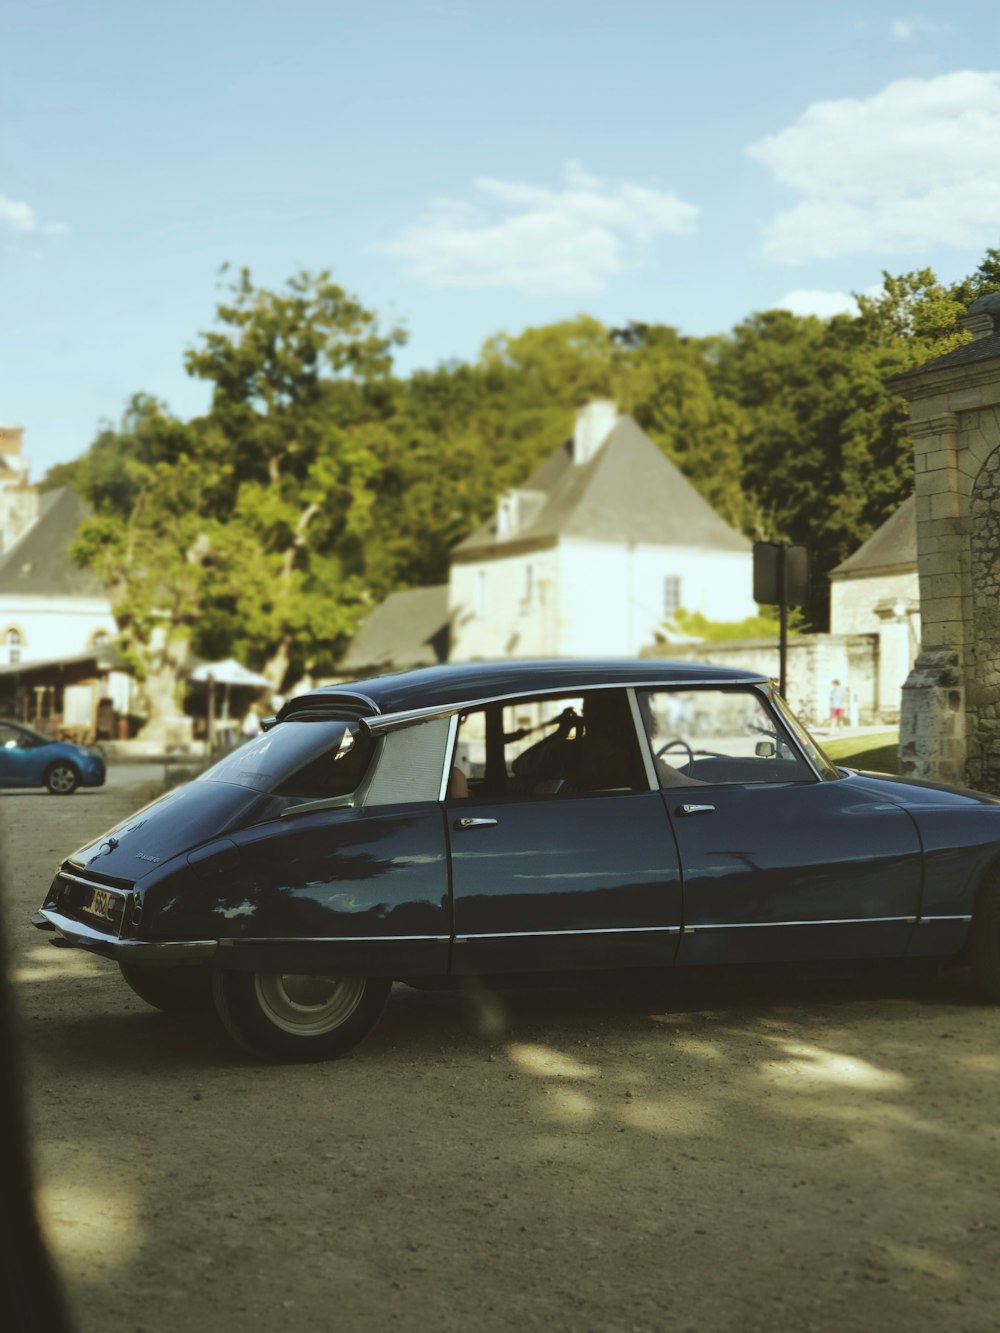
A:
(28, 759)
(516, 817)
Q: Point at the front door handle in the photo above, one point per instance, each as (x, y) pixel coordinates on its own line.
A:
(475, 823)
(696, 809)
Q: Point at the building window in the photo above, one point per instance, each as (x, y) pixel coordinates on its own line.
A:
(13, 644)
(102, 639)
(671, 594)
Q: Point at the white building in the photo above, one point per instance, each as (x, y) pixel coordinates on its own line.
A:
(57, 629)
(605, 541)
(877, 591)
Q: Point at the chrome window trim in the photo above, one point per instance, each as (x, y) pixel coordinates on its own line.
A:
(449, 757)
(410, 717)
(922, 920)
(645, 748)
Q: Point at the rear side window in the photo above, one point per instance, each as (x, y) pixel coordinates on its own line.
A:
(305, 758)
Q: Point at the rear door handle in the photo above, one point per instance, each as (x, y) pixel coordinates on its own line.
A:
(696, 809)
(475, 823)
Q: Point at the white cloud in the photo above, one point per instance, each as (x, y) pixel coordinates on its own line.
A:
(913, 166)
(22, 217)
(566, 241)
(824, 304)
(18, 215)
(905, 30)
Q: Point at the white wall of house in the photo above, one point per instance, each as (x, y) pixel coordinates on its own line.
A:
(853, 600)
(51, 627)
(613, 597)
(586, 598)
(505, 607)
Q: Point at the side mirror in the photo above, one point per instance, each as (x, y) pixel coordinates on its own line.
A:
(765, 749)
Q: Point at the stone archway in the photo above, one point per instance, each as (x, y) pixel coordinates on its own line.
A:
(950, 717)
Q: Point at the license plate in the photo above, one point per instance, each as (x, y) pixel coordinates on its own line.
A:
(103, 904)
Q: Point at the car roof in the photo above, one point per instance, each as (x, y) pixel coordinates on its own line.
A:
(471, 682)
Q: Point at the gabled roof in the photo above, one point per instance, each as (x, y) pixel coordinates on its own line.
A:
(408, 629)
(628, 492)
(893, 546)
(39, 562)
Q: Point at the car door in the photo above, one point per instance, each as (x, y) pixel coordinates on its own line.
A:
(780, 860)
(562, 855)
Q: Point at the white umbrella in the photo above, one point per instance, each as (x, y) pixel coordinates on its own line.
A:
(228, 673)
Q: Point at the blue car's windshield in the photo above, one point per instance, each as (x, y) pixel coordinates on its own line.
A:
(307, 758)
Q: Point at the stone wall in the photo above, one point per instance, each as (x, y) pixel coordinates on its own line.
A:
(814, 661)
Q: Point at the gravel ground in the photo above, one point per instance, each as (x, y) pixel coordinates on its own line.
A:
(739, 1152)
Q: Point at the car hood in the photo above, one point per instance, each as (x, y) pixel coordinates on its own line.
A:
(176, 823)
(918, 793)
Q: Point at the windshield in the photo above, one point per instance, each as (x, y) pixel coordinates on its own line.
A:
(824, 766)
(305, 758)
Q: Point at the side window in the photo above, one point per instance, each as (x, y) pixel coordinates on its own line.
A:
(718, 737)
(569, 746)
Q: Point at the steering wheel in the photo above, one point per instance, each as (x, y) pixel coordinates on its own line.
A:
(678, 742)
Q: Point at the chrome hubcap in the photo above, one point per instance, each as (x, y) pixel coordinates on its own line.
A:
(61, 779)
(308, 1006)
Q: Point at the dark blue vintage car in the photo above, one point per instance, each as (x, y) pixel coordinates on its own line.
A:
(28, 759)
(517, 817)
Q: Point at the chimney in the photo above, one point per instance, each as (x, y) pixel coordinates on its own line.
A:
(594, 423)
(982, 318)
(11, 439)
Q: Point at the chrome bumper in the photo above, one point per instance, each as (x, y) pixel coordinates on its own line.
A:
(74, 934)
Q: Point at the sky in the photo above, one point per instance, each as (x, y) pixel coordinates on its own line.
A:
(466, 168)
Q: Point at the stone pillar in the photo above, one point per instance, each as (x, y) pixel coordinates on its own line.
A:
(952, 691)
(893, 656)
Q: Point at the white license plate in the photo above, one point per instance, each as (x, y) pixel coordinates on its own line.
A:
(106, 905)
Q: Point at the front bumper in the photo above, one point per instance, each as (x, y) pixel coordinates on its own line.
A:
(72, 934)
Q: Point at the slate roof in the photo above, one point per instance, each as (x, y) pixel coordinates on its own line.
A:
(629, 491)
(979, 349)
(408, 629)
(39, 562)
(893, 546)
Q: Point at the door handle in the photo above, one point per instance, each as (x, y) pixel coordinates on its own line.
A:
(475, 823)
(696, 809)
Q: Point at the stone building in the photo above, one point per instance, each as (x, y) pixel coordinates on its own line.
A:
(950, 725)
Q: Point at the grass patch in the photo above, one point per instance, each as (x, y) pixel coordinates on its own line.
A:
(878, 751)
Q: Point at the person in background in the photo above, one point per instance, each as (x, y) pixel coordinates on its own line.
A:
(250, 726)
(838, 705)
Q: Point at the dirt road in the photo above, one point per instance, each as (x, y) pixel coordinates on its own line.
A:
(721, 1154)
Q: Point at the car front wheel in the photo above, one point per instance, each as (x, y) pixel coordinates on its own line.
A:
(62, 779)
(286, 1017)
(175, 990)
